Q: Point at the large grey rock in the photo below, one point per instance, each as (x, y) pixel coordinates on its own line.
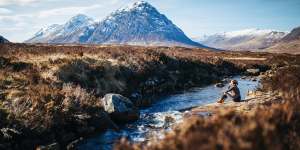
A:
(120, 108)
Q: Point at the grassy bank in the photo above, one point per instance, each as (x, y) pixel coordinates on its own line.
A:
(52, 94)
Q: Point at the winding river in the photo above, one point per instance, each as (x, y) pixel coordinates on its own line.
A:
(159, 118)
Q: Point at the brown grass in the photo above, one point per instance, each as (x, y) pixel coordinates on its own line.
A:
(53, 93)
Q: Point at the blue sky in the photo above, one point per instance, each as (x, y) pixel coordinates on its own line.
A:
(20, 19)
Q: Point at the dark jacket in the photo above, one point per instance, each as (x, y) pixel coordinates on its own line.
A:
(234, 93)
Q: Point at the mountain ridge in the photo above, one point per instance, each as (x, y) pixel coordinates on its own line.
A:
(288, 44)
(247, 39)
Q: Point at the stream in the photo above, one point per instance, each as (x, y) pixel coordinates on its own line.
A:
(159, 117)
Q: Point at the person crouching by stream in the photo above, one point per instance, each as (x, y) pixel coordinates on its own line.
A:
(233, 92)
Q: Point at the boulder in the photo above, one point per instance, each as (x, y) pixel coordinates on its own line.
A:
(253, 71)
(9, 134)
(120, 108)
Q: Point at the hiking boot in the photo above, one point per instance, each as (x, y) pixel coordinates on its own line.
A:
(221, 101)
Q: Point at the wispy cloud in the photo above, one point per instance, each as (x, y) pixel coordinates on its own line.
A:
(16, 2)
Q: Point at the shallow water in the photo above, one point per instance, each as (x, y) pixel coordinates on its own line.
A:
(158, 118)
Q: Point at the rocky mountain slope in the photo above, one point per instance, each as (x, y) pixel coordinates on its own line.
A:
(136, 24)
(70, 32)
(289, 44)
(3, 40)
(248, 39)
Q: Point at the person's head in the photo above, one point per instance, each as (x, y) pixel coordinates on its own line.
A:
(234, 82)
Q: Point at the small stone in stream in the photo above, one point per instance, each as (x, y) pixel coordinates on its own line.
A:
(219, 85)
(53, 146)
(120, 108)
(243, 77)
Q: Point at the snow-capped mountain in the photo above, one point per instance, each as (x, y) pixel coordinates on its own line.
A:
(288, 44)
(55, 33)
(136, 24)
(248, 39)
(3, 40)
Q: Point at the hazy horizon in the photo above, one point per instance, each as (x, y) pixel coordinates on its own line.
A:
(20, 19)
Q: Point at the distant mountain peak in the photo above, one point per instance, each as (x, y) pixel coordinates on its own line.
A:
(139, 5)
(246, 39)
(80, 18)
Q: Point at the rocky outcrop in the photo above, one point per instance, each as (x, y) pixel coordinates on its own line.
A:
(120, 108)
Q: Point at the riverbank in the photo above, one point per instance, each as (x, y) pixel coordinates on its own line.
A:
(53, 94)
(269, 119)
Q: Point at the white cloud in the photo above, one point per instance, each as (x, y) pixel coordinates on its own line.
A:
(5, 11)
